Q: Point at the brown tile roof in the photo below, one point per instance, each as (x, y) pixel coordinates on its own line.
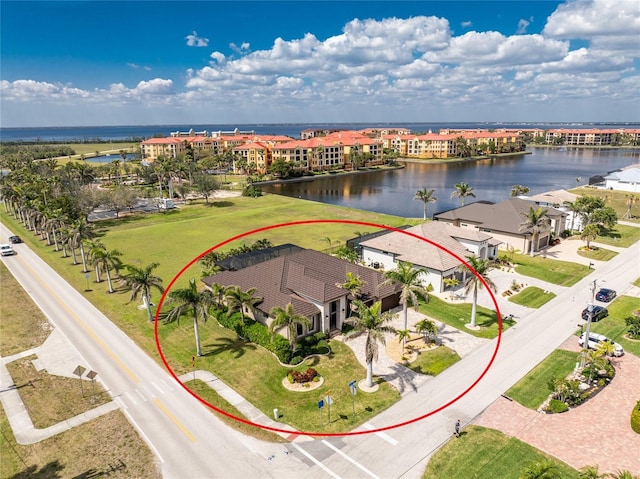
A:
(301, 278)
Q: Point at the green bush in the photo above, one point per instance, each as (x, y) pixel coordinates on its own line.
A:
(635, 418)
(556, 406)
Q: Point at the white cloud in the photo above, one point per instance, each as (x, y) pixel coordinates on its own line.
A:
(522, 26)
(400, 69)
(466, 24)
(194, 40)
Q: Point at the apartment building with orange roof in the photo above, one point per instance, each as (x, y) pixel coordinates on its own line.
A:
(256, 154)
(154, 147)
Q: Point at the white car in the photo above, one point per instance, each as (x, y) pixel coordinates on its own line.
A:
(594, 342)
(6, 250)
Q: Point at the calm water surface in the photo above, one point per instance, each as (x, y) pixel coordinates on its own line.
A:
(392, 192)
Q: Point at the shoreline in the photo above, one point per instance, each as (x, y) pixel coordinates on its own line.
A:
(303, 179)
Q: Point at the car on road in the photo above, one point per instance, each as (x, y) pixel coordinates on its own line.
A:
(595, 340)
(599, 312)
(15, 239)
(6, 250)
(605, 295)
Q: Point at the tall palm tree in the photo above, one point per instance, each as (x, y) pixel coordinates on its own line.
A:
(238, 300)
(141, 281)
(544, 469)
(81, 229)
(426, 196)
(370, 321)
(574, 209)
(472, 282)
(462, 190)
(94, 249)
(191, 300)
(106, 260)
(287, 317)
(538, 222)
(412, 291)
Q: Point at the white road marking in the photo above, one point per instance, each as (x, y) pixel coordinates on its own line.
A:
(142, 396)
(381, 434)
(157, 387)
(131, 398)
(310, 457)
(350, 459)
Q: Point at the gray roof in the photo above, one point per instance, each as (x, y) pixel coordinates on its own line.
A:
(630, 175)
(506, 216)
(421, 253)
(301, 277)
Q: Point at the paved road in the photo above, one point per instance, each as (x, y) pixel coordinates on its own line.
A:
(189, 441)
(193, 444)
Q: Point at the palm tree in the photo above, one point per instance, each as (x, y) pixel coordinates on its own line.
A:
(451, 282)
(589, 234)
(623, 474)
(462, 190)
(94, 248)
(536, 221)
(544, 469)
(81, 230)
(287, 317)
(353, 284)
(190, 299)
(428, 329)
(412, 291)
(426, 196)
(141, 281)
(370, 321)
(403, 335)
(472, 282)
(238, 300)
(574, 209)
(105, 260)
(591, 472)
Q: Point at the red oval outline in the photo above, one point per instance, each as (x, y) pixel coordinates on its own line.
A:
(327, 434)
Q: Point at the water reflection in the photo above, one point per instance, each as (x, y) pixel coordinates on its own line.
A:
(392, 191)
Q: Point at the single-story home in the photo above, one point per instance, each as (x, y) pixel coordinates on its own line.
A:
(556, 199)
(310, 281)
(387, 250)
(503, 221)
(626, 180)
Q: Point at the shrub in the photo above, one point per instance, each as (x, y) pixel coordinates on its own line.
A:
(295, 360)
(303, 377)
(635, 418)
(633, 323)
(556, 406)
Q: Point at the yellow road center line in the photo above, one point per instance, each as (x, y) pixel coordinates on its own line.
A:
(175, 420)
(95, 337)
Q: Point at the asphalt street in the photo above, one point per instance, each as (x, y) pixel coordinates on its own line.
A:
(192, 443)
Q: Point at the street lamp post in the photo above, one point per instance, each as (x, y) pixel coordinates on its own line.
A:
(587, 330)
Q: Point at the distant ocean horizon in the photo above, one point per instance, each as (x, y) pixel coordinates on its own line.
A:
(89, 134)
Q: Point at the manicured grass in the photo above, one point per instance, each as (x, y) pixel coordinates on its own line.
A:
(255, 374)
(91, 148)
(532, 390)
(19, 315)
(637, 283)
(615, 199)
(457, 315)
(483, 453)
(205, 392)
(434, 361)
(613, 326)
(532, 297)
(622, 236)
(562, 273)
(599, 254)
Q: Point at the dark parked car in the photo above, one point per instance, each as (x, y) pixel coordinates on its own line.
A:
(599, 312)
(15, 239)
(605, 295)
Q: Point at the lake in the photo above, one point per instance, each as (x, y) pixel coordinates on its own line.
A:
(392, 191)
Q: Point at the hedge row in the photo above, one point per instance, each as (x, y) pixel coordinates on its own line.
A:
(256, 333)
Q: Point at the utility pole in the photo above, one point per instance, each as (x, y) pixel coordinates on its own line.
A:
(587, 330)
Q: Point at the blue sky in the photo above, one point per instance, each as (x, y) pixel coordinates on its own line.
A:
(159, 62)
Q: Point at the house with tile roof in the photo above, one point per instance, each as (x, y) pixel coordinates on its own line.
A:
(385, 251)
(310, 281)
(503, 222)
(556, 199)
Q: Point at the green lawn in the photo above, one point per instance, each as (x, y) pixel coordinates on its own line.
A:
(613, 326)
(599, 254)
(563, 273)
(615, 199)
(622, 236)
(457, 315)
(483, 453)
(532, 390)
(434, 361)
(637, 283)
(532, 297)
(255, 374)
